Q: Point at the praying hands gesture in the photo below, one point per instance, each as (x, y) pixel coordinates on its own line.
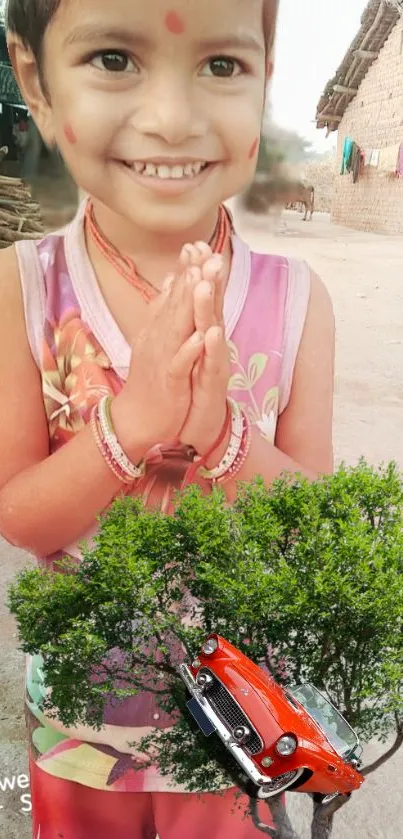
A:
(178, 378)
(211, 371)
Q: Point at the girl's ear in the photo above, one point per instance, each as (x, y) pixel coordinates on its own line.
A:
(32, 87)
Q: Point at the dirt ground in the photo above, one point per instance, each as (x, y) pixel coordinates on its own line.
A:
(363, 273)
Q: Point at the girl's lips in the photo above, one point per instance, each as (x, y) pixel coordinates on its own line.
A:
(169, 186)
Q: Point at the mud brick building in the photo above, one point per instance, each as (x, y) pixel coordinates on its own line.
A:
(364, 101)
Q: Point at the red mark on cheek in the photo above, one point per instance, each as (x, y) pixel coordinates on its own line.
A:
(174, 23)
(70, 135)
(253, 149)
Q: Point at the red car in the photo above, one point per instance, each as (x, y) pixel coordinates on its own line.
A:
(282, 738)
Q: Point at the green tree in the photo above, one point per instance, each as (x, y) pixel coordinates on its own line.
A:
(307, 573)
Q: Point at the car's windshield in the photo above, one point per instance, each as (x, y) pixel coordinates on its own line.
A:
(337, 730)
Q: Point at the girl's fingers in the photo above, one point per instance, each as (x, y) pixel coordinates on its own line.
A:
(184, 257)
(215, 362)
(195, 254)
(178, 315)
(194, 276)
(183, 362)
(213, 271)
(196, 372)
(204, 252)
(213, 268)
(203, 297)
(168, 283)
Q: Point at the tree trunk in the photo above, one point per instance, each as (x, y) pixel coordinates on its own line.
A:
(283, 828)
(323, 816)
(393, 749)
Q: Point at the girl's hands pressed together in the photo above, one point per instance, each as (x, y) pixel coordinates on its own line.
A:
(156, 398)
(211, 371)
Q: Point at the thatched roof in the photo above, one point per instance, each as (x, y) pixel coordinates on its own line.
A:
(377, 22)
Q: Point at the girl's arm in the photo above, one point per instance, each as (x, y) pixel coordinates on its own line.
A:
(304, 431)
(46, 502)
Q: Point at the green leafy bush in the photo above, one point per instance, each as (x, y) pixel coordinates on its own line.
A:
(305, 577)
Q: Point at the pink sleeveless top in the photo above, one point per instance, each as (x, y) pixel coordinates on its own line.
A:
(82, 355)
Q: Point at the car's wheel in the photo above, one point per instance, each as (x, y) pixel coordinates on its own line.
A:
(277, 785)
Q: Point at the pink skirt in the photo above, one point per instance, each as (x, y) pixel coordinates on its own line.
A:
(67, 810)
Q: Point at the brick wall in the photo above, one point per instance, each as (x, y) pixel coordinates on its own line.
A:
(374, 119)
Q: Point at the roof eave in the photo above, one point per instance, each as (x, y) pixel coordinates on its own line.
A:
(377, 22)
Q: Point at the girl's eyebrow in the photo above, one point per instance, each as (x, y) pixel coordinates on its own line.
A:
(246, 42)
(89, 33)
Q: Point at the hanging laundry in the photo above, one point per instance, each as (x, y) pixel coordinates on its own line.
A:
(357, 158)
(346, 156)
(374, 158)
(368, 156)
(388, 159)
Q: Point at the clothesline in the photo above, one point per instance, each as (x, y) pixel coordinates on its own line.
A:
(388, 161)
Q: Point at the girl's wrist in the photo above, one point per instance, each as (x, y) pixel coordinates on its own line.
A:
(219, 436)
(218, 454)
(237, 450)
(134, 443)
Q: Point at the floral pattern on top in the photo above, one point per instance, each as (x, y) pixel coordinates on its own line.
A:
(265, 416)
(76, 374)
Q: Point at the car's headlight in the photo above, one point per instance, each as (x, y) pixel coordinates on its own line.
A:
(286, 745)
(210, 646)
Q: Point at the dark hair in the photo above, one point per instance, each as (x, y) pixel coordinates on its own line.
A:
(29, 20)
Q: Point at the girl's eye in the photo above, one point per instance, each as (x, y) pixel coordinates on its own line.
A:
(222, 67)
(114, 62)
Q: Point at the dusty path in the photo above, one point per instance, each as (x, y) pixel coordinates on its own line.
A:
(364, 275)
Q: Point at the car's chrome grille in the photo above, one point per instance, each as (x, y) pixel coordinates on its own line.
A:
(230, 713)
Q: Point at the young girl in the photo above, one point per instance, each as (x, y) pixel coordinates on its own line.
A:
(125, 334)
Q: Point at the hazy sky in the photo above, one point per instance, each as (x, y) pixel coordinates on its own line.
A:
(313, 37)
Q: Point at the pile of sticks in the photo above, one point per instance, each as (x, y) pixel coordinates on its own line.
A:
(20, 215)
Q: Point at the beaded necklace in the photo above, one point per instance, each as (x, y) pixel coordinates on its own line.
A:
(125, 266)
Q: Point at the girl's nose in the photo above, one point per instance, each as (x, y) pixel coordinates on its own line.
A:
(170, 111)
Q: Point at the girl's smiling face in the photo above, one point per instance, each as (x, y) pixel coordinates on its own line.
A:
(156, 107)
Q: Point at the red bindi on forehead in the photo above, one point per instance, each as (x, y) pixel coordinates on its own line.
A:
(174, 23)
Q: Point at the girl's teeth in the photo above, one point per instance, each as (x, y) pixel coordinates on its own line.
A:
(164, 172)
(177, 172)
(150, 170)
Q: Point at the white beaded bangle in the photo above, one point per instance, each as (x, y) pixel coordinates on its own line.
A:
(242, 456)
(237, 429)
(112, 442)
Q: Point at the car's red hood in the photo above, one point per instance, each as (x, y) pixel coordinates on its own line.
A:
(286, 717)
